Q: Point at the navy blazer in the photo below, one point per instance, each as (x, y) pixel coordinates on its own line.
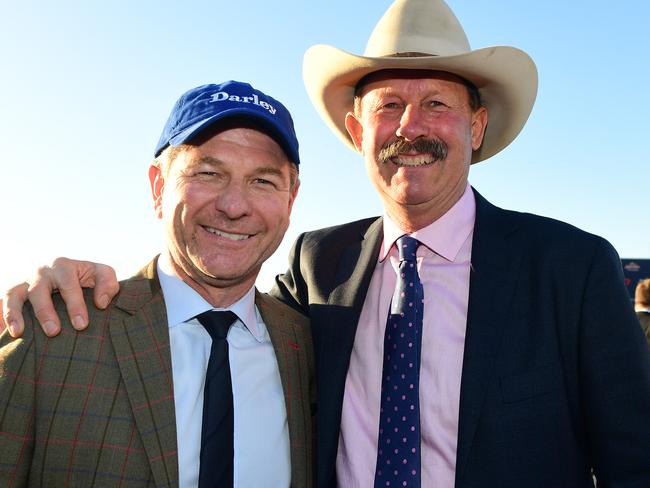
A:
(556, 372)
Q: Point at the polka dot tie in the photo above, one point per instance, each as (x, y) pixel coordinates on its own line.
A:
(398, 453)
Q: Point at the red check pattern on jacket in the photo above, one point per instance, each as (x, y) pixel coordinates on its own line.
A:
(94, 408)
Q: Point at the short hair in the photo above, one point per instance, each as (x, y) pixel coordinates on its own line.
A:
(642, 293)
(473, 93)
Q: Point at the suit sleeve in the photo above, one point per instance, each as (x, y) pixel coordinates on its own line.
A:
(614, 365)
(17, 406)
(291, 287)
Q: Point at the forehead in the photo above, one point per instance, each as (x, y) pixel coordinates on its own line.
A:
(242, 139)
(405, 80)
(250, 133)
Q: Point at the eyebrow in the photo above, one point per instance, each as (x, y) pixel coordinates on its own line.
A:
(267, 170)
(207, 160)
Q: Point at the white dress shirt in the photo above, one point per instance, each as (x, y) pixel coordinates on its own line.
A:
(261, 434)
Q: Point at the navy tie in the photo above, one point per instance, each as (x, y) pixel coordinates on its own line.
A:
(398, 453)
(216, 464)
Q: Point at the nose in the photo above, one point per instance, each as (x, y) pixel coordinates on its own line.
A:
(234, 201)
(412, 124)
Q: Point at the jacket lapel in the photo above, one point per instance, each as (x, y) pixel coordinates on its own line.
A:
(354, 272)
(293, 351)
(141, 342)
(495, 266)
(337, 326)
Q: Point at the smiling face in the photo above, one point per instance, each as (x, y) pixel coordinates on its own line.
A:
(416, 131)
(225, 205)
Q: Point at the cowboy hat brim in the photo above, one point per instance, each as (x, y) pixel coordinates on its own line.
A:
(506, 78)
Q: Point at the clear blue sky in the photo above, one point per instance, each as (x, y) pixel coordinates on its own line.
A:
(87, 86)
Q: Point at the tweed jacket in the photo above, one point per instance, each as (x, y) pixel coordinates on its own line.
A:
(556, 372)
(96, 408)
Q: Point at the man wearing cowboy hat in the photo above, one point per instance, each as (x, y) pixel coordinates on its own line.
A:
(527, 376)
(467, 357)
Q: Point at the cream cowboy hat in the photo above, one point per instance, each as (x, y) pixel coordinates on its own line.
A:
(505, 76)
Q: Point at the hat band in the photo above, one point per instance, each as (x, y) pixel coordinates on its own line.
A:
(409, 54)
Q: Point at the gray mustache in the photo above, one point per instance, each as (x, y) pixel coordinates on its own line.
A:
(436, 148)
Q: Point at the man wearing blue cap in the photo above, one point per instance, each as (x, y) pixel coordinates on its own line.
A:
(190, 377)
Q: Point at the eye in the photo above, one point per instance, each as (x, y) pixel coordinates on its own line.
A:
(263, 181)
(266, 183)
(435, 103)
(390, 106)
(269, 182)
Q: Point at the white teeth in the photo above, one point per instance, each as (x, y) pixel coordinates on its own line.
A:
(234, 237)
(403, 160)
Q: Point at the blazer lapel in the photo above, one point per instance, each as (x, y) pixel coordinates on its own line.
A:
(495, 265)
(336, 326)
(293, 351)
(345, 302)
(141, 343)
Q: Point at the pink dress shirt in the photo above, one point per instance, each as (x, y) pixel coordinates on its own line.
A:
(444, 269)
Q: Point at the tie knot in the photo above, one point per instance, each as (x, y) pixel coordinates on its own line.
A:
(217, 323)
(407, 247)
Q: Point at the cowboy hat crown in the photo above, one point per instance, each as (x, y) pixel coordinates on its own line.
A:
(432, 38)
(416, 31)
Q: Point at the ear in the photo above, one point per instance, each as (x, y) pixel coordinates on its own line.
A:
(157, 183)
(479, 124)
(294, 194)
(355, 129)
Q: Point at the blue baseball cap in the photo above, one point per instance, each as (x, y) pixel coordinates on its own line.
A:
(201, 107)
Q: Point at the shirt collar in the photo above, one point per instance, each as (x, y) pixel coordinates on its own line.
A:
(444, 236)
(183, 303)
